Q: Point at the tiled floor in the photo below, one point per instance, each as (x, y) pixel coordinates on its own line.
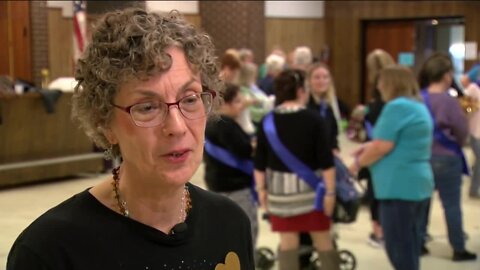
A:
(19, 206)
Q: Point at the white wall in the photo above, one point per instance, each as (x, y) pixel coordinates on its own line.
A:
(185, 7)
(294, 9)
(66, 6)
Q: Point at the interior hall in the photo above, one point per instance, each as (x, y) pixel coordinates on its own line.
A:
(327, 134)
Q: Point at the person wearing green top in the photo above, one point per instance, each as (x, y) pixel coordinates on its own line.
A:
(398, 156)
(258, 103)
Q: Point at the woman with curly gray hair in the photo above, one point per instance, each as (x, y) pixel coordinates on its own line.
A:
(144, 94)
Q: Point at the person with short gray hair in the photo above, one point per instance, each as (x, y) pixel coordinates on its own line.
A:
(302, 57)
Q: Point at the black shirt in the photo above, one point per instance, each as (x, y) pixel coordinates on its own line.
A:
(82, 233)
(330, 121)
(304, 134)
(267, 85)
(374, 108)
(226, 133)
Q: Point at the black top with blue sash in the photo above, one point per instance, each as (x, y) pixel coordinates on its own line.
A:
(292, 163)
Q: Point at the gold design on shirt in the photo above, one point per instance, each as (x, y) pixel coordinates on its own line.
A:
(232, 262)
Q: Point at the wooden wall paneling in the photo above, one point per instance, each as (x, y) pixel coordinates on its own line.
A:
(39, 45)
(33, 134)
(344, 32)
(194, 19)
(4, 45)
(255, 32)
(60, 44)
(48, 172)
(340, 50)
(101, 7)
(392, 36)
(290, 33)
(21, 39)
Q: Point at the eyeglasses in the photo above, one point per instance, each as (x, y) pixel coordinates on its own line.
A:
(153, 113)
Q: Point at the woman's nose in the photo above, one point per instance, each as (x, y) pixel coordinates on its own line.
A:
(175, 123)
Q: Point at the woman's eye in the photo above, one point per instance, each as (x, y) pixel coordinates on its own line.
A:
(146, 107)
(191, 100)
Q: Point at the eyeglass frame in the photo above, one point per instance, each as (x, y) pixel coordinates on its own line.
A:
(177, 103)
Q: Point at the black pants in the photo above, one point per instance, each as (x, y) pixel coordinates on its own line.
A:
(370, 195)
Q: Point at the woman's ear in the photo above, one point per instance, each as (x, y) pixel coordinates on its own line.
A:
(108, 133)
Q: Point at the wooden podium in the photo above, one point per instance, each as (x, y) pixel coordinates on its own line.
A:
(36, 145)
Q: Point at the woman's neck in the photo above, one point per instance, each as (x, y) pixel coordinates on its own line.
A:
(227, 112)
(318, 97)
(159, 206)
(437, 88)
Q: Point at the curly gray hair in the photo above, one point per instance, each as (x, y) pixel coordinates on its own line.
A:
(131, 44)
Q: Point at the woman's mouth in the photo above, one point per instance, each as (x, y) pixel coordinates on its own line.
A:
(177, 156)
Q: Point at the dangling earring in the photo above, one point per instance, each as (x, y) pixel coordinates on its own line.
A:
(108, 153)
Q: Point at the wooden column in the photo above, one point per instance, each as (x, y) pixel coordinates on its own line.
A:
(235, 24)
(39, 26)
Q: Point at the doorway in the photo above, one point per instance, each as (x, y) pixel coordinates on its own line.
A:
(411, 41)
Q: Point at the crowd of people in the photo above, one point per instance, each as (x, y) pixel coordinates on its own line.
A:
(404, 160)
(404, 118)
(148, 83)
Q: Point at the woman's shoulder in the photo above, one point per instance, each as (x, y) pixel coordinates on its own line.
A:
(54, 224)
(405, 103)
(68, 210)
(207, 198)
(215, 205)
(303, 117)
(443, 98)
(402, 108)
(220, 122)
(306, 114)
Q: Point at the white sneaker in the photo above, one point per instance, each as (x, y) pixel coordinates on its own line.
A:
(375, 242)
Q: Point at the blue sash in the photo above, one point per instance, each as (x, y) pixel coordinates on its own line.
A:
(368, 129)
(224, 156)
(293, 163)
(443, 139)
(323, 109)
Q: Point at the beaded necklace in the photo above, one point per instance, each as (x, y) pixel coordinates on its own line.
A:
(122, 204)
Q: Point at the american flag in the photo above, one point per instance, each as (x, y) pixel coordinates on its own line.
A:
(79, 28)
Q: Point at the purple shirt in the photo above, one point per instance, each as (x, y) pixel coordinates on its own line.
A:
(451, 119)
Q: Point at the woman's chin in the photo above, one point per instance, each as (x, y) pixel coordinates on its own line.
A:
(178, 176)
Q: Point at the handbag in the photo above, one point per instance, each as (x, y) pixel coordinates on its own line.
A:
(348, 196)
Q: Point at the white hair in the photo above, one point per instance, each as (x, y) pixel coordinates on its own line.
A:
(302, 56)
(274, 63)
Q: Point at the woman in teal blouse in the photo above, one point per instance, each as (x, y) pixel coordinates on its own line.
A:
(398, 157)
